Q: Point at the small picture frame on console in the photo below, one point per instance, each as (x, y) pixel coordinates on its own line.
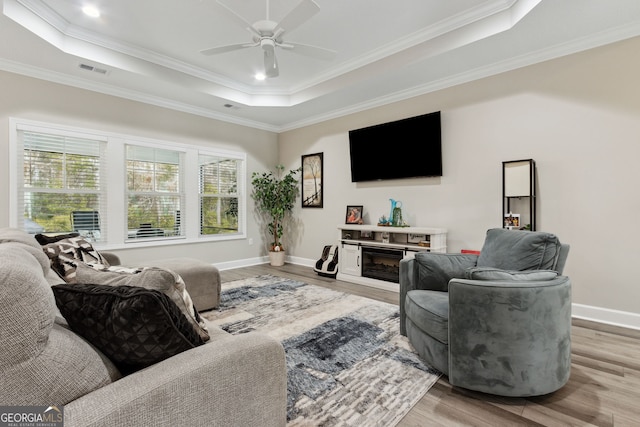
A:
(354, 215)
(511, 221)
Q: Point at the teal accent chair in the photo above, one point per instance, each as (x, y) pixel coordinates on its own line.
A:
(498, 322)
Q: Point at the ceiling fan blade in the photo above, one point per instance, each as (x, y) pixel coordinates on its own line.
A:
(270, 63)
(298, 15)
(239, 19)
(308, 50)
(228, 48)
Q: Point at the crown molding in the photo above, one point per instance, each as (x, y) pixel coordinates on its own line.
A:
(575, 46)
(74, 81)
(579, 45)
(473, 24)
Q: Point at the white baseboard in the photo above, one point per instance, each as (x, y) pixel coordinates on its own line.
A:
(579, 311)
(229, 265)
(306, 262)
(247, 262)
(608, 316)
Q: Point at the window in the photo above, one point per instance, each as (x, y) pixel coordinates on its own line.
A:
(219, 195)
(155, 194)
(61, 185)
(159, 192)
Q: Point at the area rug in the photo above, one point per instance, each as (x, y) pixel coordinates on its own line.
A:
(347, 363)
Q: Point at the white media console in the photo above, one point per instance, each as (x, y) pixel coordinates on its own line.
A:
(370, 254)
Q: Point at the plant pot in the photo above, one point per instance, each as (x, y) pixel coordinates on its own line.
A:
(276, 259)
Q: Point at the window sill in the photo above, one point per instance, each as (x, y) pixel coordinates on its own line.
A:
(164, 241)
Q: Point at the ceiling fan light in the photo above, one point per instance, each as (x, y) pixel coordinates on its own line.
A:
(267, 44)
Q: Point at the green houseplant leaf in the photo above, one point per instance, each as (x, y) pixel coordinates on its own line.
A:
(275, 194)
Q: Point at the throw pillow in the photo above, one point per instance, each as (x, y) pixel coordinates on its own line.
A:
(45, 240)
(489, 273)
(65, 253)
(160, 279)
(134, 327)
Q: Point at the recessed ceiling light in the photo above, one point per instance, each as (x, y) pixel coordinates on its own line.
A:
(260, 76)
(91, 11)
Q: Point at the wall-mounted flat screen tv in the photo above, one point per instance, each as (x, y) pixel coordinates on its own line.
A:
(407, 148)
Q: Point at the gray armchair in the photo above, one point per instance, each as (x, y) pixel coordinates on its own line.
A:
(498, 322)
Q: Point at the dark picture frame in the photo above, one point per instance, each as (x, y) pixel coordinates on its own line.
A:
(353, 215)
(312, 188)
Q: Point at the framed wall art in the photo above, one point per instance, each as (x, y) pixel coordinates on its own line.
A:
(312, 180)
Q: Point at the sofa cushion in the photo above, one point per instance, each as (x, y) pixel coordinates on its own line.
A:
(201, 278)
(519, 250)
(39, 360)
(157, 278)
(491, 273)
(64, 254)
(133, 326)
(429, 311)
(26, 242)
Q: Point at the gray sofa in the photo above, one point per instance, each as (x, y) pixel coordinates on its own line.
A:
(498, 322)
(228, 381)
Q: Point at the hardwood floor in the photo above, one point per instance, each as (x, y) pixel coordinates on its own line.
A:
(603, 390)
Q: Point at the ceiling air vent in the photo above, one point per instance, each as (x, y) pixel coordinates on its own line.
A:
(88, 67)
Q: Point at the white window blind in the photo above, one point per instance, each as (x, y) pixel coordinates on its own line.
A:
(61, 188)
(159, 192)
(221, 181)
(155, 193)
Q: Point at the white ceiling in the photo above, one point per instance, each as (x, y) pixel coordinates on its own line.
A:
(385, 50)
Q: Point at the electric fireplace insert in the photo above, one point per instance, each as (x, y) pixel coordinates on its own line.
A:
(381, 264)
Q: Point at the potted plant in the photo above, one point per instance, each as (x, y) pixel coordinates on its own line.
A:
(275, 194)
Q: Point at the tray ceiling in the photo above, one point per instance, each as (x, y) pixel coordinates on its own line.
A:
(149, 50)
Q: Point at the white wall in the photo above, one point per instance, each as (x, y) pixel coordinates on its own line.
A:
(28, 98)
(578, 117)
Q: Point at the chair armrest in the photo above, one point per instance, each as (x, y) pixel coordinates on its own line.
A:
(510, 338)
(111, 258)
(236, 380)
(430, 271)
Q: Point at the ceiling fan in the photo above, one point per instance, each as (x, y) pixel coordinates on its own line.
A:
(268, 34)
